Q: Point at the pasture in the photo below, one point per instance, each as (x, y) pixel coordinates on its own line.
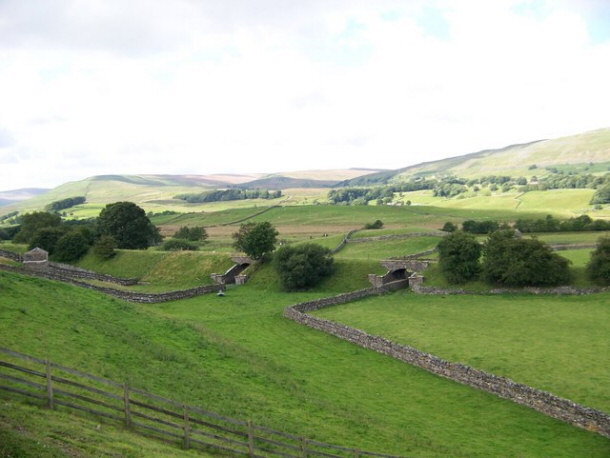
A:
(238, 356)
(548, 342)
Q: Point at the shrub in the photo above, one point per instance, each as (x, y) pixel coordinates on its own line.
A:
(513, 261)
(104, 247)
(479, 227)
(70, 247)
(378, 224)
(449, 227)
(302, 266)
(178, 245)
(598, 268)
(459, 255)
(194, 234)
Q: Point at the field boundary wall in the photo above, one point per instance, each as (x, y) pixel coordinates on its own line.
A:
(542, 401)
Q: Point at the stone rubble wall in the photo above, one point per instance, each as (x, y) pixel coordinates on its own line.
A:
(397, 237)
(558, 290)
(542, 401)
(343, 242)
(77, 272)
(10, 255)
(131, 296)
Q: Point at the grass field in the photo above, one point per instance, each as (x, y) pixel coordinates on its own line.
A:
(383, 249)
(544, 341)
(238, 356)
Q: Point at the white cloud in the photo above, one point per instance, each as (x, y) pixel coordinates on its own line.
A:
(92, 87)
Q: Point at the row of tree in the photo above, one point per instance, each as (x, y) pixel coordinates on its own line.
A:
(63, 204)
(509, 260)
(222, 195)
(547, 224)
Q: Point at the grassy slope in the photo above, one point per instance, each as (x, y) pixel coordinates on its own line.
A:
(583, 148)
(546, 342)
(238, 356)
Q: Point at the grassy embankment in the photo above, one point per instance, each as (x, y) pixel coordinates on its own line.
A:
(238, 356)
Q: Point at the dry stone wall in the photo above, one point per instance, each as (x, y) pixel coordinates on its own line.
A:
(149, 298)
(546, 403)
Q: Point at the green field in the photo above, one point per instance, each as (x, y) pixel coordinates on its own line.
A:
(542, 341)
(238, 356)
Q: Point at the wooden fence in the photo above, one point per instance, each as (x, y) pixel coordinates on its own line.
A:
(153, 415)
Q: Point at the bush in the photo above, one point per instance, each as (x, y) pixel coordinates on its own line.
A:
(256, 239)
(378, 224)
(459, 255)
(598, 268)
(513, 261)
(449, 227)
(480, 227)
(194, 234)
(178, 245)
(70, 247)
(302, 266)
(104, 247)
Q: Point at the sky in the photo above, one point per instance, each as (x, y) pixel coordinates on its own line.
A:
(91, 87)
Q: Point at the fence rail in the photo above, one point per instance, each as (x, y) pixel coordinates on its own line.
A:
(154, 415)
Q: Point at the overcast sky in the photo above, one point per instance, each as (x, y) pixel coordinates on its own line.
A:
(91, 87)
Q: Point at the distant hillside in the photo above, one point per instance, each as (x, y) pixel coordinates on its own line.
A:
(515, 160)
(157, 192)
(18, 195)
(280, 182)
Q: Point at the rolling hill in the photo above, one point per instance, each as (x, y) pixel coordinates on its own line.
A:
(577, 151)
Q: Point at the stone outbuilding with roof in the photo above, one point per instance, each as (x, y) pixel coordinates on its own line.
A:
(36, 258)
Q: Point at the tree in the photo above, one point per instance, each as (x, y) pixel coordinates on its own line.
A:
(194, 234)
(256, 239)
(128, 225)
(602, 195)
(449, 227)
(512, 261)
(46, 238)
(178, 245)
(104, 247)
(70, 247)
(32, 222)
(302, 266)
(598, 268)
(459, 255)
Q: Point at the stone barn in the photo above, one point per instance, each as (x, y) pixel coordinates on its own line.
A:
(36, 258)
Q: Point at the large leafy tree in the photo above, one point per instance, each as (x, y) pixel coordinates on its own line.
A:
(128, 225)
(598, 268)
(513, 261)
(256, 239)
(459, 255)
(33, 222)
(302, 266)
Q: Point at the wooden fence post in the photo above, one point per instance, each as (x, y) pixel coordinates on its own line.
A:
(250, 439)
(356, 453)
(303, 447)
(187, 428)
(49, 384)
(126, 403)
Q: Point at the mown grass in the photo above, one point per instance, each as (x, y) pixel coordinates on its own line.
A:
(558, 344)
(238, 356)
